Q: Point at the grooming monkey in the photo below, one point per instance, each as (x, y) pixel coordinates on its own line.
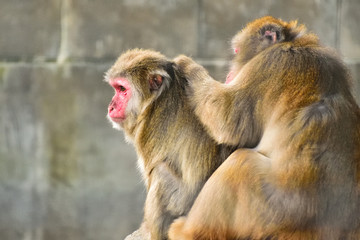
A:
(287, 106)
(176, 155)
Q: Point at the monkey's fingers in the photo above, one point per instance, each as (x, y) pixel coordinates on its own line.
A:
(185, 65)
(191, 70)
(183, 61)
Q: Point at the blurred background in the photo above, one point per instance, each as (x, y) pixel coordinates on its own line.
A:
(65, 174)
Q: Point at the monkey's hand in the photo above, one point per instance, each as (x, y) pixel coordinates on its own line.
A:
(192, 71)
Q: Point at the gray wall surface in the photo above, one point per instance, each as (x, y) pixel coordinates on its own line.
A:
(65, 174)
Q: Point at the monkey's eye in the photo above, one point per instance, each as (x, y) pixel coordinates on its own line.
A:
(122, 88)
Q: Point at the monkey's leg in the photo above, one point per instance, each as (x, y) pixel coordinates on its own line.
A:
(230, 204)
(142, 233)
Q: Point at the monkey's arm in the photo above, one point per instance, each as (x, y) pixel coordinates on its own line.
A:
(228, 119)
(168, 198)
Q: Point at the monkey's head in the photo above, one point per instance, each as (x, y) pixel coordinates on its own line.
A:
(260, 35)
(138, 78)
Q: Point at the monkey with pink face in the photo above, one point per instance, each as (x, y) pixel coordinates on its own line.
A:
(175, 153)
(288, 107)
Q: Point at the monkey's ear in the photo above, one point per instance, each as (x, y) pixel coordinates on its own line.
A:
(272, 35)
(155, 81)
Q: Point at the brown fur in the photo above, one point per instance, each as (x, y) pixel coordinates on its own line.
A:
(175, 151)
(289, 109)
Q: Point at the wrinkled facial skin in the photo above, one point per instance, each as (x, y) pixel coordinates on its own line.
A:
(118, 104)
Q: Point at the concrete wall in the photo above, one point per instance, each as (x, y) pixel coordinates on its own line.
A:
(64, 172)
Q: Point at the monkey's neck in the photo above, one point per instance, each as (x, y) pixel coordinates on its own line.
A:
(158, 128)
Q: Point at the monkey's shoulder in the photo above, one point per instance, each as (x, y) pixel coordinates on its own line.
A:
(310, 55)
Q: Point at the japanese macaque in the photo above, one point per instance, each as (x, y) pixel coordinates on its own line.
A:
(176, 154)
(288, 108)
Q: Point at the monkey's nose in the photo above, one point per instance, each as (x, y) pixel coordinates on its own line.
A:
(111, 109)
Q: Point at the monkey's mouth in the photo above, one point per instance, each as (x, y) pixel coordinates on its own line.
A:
(116, 119)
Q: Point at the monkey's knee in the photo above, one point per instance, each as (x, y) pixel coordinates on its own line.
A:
(177, 230)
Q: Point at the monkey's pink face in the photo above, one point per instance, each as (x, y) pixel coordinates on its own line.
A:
(230, 75)
(118, 104)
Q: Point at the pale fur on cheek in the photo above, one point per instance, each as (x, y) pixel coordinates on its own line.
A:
(134, 102)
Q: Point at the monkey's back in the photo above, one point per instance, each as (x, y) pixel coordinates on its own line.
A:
(316, 124)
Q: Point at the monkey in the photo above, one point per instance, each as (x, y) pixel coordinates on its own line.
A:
(175, 153)
(287, 107)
